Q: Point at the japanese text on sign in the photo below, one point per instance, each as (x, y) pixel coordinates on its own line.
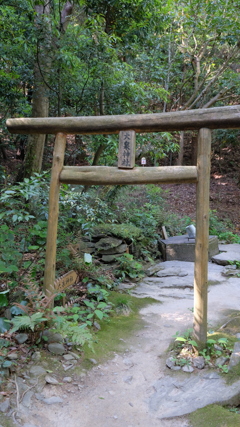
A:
(126, 156)
(65, 281)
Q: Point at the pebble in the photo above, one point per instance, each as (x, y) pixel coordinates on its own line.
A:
(21, 338)
(128, 380)
(170, 362)
(76, 356)
(187, 368)
(36, 356)
(53, 399)
(96, 325)
(37, 370)
(68, 356)
(52, 337)
(27, 399)
(67, 379)
(51, 380)
(56, 348)
(93, 361)
(221, 361)
(12, 356)
(128, 362)
(199, 362)
(4, 406)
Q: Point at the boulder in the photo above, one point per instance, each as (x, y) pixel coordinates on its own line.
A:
(107, 243)
(56, 348)
(118, 250)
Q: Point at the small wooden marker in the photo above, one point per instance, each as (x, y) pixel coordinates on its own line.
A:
(126, 152)
(65, 281)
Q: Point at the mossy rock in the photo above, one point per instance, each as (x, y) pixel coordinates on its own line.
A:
(124, 231)
(214, 416)
(108, 243)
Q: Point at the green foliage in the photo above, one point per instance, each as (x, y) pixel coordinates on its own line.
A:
(125, 231)
(4, 325)
(216, 346)
(10, 254)
(221, 229)
(79, 334)
(128, 267)
(3, 298)
(33, 322)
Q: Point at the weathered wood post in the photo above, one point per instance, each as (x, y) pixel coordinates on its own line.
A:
(202, 238)
(53, 211)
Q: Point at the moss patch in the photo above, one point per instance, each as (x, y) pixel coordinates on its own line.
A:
(6, 421)
(233, 374)
(214, 416)
(116, 330)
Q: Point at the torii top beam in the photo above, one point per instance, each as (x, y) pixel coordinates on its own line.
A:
(212, 118)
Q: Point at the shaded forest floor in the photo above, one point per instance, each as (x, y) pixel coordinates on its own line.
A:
(224, 199)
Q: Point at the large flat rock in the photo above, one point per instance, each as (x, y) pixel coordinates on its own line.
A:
(175, 279)
(175, 397)
(228, 254)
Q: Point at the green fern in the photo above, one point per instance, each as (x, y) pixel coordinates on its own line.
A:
(78, 334)
(27, 322)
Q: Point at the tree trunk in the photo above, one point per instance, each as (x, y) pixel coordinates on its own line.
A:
(181, 149)
(40, 96)
(41, 89)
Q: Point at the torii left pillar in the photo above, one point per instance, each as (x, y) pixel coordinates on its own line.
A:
(53, 213)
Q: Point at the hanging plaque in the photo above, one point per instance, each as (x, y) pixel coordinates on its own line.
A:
(126, 152)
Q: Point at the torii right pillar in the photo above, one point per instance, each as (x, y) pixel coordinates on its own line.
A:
(202, 238)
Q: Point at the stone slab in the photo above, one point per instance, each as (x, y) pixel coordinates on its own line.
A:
(174, 397)
(181, 248)
(226, 258)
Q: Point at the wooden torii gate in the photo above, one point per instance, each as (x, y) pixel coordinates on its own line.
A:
(202, 120)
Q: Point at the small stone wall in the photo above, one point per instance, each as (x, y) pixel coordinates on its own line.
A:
(107, 248)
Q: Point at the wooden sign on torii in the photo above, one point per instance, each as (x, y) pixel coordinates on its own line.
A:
(203, 120)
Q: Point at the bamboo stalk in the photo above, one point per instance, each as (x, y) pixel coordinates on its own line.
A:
(103, 175)
(53, 212)
(202, 238)
(212, 118)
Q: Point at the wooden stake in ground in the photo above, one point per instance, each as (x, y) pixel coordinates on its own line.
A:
(53, 211)
(202, 238)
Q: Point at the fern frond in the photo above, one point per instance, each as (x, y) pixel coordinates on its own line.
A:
(27, 322)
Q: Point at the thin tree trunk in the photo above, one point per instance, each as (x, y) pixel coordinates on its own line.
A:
(181, 149)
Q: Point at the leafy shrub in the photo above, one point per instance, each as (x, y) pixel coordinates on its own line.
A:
(128, 267)
(221, 229)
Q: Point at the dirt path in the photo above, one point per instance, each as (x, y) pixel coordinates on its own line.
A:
(117, 392)
(120, 392)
